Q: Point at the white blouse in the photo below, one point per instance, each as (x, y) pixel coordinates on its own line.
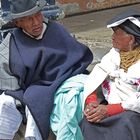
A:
(117, 85)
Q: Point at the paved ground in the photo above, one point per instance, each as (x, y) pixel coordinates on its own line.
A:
(91, 29)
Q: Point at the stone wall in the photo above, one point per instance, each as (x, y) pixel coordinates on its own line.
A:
(77, 6)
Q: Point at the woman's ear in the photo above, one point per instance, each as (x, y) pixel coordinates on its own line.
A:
(132, 42)
(132, 39)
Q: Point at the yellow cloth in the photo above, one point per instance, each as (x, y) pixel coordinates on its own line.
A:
(129, 58)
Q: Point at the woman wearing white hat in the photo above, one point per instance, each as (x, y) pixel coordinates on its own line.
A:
(119, 76)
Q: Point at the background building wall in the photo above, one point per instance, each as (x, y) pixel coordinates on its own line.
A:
(77, 6)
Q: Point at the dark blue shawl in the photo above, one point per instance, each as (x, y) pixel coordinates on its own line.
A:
(42, 65)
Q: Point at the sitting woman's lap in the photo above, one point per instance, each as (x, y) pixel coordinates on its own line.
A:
(124, 126)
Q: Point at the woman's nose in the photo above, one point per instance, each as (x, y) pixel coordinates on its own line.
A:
(113, 36)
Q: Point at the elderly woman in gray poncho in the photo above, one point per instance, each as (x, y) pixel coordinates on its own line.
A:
(119, 75)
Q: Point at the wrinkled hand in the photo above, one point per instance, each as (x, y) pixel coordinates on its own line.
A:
(95, 112)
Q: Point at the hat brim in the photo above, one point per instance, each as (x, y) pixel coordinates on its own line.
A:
(119, 22)
(32, 11)
(131, 15)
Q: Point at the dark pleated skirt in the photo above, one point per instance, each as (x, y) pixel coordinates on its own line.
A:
(124, 126)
